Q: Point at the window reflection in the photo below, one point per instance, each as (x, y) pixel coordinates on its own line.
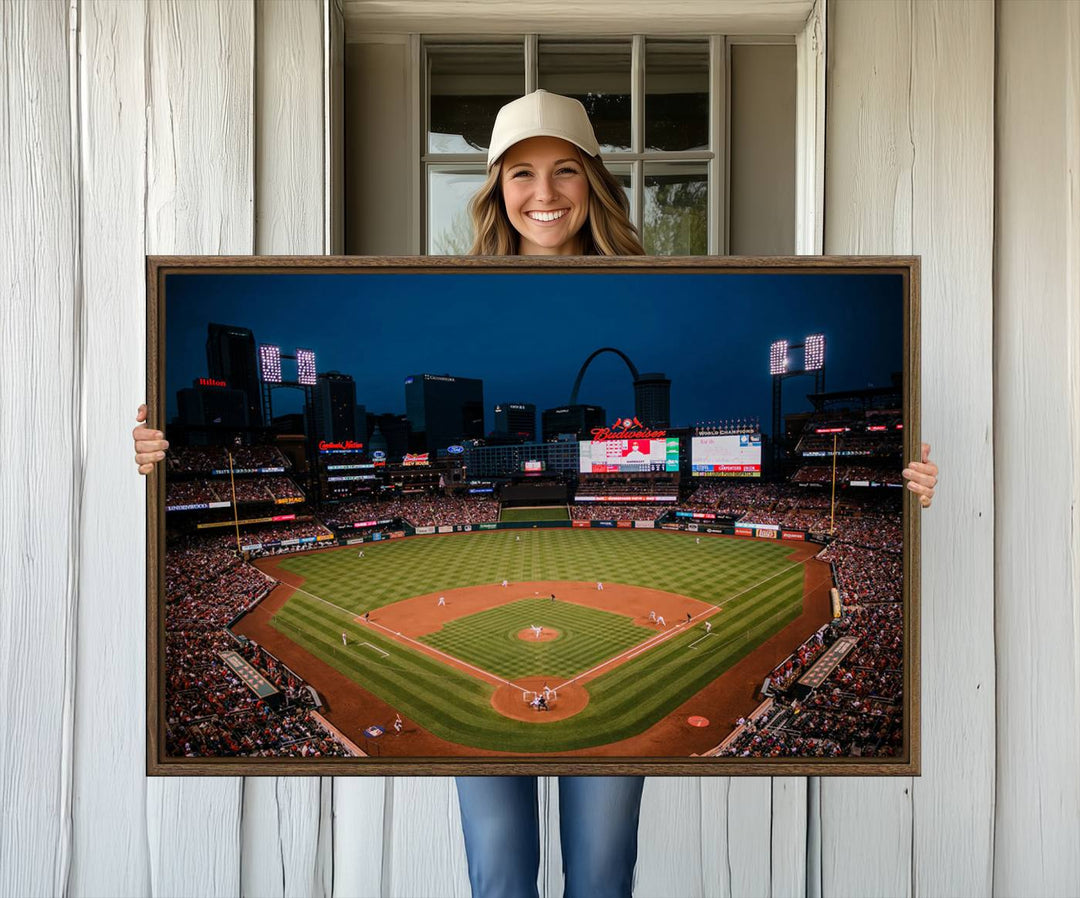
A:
(676, 209)
(676, 95)
(467, 86)
(597, 74)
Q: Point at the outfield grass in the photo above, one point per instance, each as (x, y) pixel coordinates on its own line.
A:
(551, 513)
(623, 702)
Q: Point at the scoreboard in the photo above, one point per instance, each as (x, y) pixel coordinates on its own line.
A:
(727, 455)
(628, 456)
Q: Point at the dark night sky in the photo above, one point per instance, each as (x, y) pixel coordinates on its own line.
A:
(526, 335)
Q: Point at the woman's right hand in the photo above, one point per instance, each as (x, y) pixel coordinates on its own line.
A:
(150, 445)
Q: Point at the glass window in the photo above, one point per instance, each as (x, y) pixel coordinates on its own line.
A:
(676, 95)
(450, 188)
(657, 119)
(676, 210)
(624, 174)
(597, 74)
(467, 84)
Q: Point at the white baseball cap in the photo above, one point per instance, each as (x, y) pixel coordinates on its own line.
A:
(541, 114)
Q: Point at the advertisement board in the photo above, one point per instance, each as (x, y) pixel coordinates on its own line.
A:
(726, 455)
(628, 456)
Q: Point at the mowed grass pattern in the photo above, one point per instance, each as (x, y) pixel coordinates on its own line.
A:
(761, 591)
(490, 639)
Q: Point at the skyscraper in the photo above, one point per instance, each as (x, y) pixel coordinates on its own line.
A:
(445, 409)
(516, 419)
(230, 356)
(335, 408)
(210, 402)
(575, 419)
(652, 400)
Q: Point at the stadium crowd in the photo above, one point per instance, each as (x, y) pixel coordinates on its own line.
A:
(248, 489)
(208, 709)
(606, 511)
(190, 492)
(203, 459)
(420, 510)
(628, 488)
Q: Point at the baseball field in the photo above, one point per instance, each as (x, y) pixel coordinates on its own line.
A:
(621, 629)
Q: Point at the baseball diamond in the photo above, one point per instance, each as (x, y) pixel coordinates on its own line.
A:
(462, 673)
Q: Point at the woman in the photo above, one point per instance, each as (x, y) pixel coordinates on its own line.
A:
(548, 193)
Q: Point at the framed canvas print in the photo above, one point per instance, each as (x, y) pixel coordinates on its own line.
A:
(533, 516)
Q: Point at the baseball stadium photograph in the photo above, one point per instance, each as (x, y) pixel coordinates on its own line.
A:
(576, 513)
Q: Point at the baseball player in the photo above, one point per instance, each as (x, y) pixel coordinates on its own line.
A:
(398, 723)
(442, 601)
(344, 639)
(660, 622)
(361, 555)
(599, 586)
(504, 583)
(708, 626)
(697, 540)
(652, 617)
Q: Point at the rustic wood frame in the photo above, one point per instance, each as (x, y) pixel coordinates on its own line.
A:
(906, 764)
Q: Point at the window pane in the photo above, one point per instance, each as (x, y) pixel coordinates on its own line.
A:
(623, 174)
(676, 209)
(597, 74)
(466, 87)
(450, 231)
(676, 95)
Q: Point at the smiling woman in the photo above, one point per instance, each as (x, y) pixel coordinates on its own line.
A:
(546, 196)
(547, 190)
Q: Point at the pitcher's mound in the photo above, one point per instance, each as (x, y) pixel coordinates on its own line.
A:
(546, 635)
(509, 701)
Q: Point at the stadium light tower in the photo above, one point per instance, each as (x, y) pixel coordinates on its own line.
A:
(814, 353)
(270, 378)
(270, 363)
(778, 357)
(305, 367)
(813, 348)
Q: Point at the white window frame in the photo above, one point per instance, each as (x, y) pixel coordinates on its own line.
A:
(809, 41)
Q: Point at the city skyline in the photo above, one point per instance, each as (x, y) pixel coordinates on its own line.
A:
(712, 343)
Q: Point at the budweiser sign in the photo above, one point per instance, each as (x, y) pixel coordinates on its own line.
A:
(626, 429)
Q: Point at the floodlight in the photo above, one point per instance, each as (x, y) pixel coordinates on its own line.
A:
(815, 352)
(270, 363)
(778, 357)
(305, 367)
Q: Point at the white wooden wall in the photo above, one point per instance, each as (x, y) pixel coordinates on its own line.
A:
(199, 127)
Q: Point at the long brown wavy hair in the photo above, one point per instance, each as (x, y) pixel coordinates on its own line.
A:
(607, 231)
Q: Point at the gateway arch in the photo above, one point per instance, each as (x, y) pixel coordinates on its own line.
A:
(652, 391)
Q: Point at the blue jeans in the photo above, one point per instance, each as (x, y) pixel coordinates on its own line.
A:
(598, 823)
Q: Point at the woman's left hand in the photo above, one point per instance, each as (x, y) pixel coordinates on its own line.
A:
(922, 477)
